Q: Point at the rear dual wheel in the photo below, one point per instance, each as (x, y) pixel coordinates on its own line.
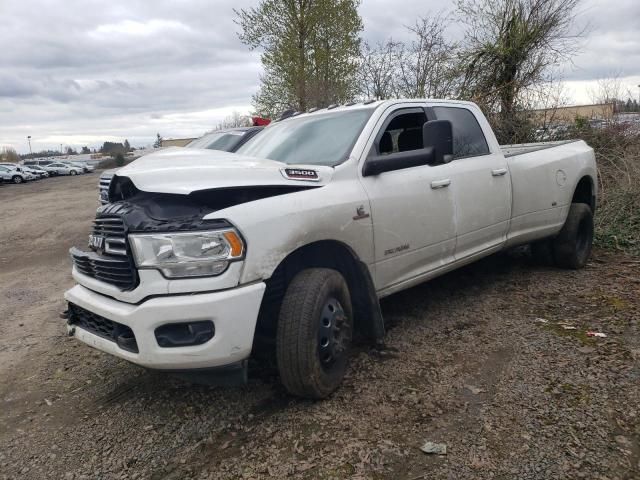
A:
(571, 248)
(315, 330)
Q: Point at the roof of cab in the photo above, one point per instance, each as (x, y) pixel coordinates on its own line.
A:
(372, 104)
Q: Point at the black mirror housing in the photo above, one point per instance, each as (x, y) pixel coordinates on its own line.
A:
(439, 135)
(397, 161)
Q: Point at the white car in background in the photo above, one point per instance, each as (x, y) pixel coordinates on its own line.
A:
(37, 170)
(59, 168)
(12, 173)
(28, 176)
(84, 167)
(37, 174)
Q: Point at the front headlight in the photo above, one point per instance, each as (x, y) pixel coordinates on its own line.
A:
(187, 254)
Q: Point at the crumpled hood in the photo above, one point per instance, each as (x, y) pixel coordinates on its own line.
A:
(185, 170)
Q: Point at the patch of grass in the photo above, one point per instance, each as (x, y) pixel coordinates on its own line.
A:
(579, 334)
(616, 302)
(575, 395)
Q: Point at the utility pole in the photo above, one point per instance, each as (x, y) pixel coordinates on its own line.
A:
(29, 139)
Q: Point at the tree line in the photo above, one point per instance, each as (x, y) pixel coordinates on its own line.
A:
(313, 55)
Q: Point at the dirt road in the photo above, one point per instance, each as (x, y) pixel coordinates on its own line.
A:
(479, 360)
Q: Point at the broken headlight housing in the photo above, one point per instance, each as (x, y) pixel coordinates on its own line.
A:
(187, 254)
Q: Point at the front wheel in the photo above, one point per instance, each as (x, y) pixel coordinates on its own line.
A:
(315, 329)
(17, 179)
(73, 172)
(572, 246)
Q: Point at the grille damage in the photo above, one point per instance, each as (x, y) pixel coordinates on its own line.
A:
(113, 263)
(113, 331)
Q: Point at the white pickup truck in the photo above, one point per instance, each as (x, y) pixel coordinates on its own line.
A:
(203, 257)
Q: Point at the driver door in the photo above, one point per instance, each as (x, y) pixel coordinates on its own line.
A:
(413, 209)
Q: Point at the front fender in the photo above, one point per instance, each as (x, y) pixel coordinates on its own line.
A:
(276, 226)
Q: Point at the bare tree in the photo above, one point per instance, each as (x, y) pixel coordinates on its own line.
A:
(427, 64)
(8, 154)
(607, 89)
(236, 119)
(544, 100)
(511, 45)
(378, 70)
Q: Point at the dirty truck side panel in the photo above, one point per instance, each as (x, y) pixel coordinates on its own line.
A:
(415, 226)
(543, 186)
(324, 213)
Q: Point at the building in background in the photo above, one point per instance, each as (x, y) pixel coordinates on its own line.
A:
(176, 142)
(568, 115)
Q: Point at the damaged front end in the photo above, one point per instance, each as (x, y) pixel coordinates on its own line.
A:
(172, 211)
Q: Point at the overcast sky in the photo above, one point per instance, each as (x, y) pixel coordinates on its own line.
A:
(79, 72)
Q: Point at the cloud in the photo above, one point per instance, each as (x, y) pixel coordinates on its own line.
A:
(137, 29)
(85, 71)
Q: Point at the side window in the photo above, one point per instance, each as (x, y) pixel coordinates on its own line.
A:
(468, 138)
(403, 133)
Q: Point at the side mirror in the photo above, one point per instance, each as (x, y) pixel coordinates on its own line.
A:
(397, 161)
(439, 135)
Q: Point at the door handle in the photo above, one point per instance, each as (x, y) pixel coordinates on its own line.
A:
(440, 183)
(498, 172)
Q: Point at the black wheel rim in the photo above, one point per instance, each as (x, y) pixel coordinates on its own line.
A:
(334, 333)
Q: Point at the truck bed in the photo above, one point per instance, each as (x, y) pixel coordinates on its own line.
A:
(522, 148)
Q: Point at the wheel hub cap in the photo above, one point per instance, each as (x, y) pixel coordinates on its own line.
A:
(333, 334)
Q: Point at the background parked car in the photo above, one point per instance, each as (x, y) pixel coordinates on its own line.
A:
(62, 169)
(228, 140)
(25, 173)
(85, 167)
(40, 163)
(41, 171)
(13, 174)
(38, 174)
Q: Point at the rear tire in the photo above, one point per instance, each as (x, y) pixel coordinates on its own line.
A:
(572, 246)
(315, 330)
(17, 179)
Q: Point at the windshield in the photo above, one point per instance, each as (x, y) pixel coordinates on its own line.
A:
(225, 141)
(320, 139)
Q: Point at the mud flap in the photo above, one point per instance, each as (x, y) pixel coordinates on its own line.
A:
(370, 322)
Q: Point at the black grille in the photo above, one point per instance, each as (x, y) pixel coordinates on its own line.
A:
(105, 182)
(114, 264)
(113, 229)
(103, 327)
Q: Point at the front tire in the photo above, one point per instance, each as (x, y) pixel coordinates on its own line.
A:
(17, 179)
(315, 330)
(572, 246)
(73, 172)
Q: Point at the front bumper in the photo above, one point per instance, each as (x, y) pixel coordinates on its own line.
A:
(234, 313)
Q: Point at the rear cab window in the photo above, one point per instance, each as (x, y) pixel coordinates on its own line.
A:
(468, 137)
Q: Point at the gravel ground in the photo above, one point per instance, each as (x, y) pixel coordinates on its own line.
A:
(469, 362)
